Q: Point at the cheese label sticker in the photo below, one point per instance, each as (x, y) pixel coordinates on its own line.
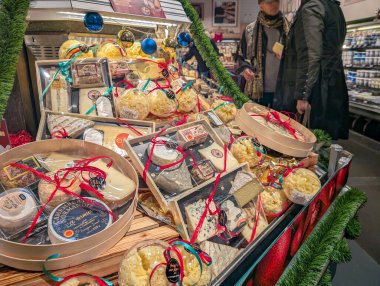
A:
(217, 153)
(173, 270)
(13, 203)
(94, 94)
(14, 173)
(98, 183)
(119, 140)
(86, 69)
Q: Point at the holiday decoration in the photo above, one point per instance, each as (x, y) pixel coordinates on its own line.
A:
(125, 38)
(149, 46)
(93, 22)
(168, 45)
(184, 39)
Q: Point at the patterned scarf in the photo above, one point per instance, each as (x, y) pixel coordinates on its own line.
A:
(255, 49)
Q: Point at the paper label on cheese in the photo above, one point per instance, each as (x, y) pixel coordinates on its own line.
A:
(14, 173)
(119, 140)
(13, 203)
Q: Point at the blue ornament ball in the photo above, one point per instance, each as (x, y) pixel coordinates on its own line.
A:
(184, 39)
(149, 46)
(93, 21)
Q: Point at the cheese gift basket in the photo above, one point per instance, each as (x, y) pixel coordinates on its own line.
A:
(275, 130)
(81, 86)
(105, 131)
(88, 194)
(173, 161)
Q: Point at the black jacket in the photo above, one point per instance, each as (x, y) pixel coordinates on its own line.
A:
(313, 67)
(193, 52)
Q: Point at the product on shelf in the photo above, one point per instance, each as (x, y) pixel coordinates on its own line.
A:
(162, 154)
(174, 180)
(88, 73)
(301, 185)
(256, 221)
(67, 50)
(161, 104)
(133, 104)
(274, 201)
(112, 51)
(245, 151)
(216, 155)
(59, 125)
(191, 136)
(225, 110)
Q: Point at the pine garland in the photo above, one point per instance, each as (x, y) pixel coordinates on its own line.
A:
(353, 228)
(210, 56)
(326, 279)
(342, 252)
(310, 260)
(13, 24)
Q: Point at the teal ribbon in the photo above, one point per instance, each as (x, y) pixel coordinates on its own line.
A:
(145, 85)
(221, 89)
(109, 283)
(48, 86)
(94, 105)
(190, 83)
(47, 273)
(222, 104)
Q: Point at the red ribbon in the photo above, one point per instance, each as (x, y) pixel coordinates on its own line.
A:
(254, 230)
(59, 134)
(163, 87)
(274, 117)
(205, 258)
(127, 83)
(209, 200)
(81, 166)
(129, 126)
(97, 279)
(163, 66)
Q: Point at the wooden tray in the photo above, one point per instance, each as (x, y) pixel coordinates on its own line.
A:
(41, 252)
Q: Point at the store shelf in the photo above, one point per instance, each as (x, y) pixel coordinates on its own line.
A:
(361, 67)
(361, 48)
(370, 111)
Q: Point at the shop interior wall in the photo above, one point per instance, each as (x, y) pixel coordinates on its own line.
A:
(359, 10)
(248, 10)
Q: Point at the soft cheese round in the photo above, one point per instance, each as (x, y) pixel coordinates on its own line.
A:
(162, 155)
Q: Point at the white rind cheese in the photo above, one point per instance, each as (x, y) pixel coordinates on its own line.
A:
(215, 154)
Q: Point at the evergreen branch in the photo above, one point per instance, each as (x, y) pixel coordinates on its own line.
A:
(342, 252)
(211, 58)
(13, 24)
(353, 228)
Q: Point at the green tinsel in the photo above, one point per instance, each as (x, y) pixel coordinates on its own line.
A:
(342, 252)
(310, 260)
(210, 56)
(353, 228)
(13, 24)
(322, 137)
(326, 279)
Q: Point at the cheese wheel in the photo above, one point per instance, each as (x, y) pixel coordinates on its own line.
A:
(112, 51)
(133, 104)
(64, 52)
(77, 219)
(17, 210)
(160, 104)
(162, 155)
(138, 263)
(215, 154)
(45, 189)
(301, 185)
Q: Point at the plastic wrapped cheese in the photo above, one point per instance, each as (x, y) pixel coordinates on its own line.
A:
(301, 185)
(225, 110)
(187, 100)
(112, 51)
(245, 152)
(160, 104)
(215, 154)
(138, 263)
(163, 154)
(64, 52)
(133, 104)
(254, 218)
(274, 201)
(45, 189)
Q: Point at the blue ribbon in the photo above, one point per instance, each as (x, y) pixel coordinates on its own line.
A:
(47, 273)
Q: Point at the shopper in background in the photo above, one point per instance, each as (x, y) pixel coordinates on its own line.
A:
(261, 50)
(313, 75)
(202, 69)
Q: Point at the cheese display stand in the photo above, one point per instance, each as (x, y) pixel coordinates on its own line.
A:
(142, 175)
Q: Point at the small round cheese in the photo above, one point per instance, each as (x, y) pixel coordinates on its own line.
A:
(225, 110)
(133, 104)
(274, 201)
(187, 100)
(77, 219)
(301, 185)
(160, 104)
(45, 189)
(17, 210)
(245, 152)
(162, 155)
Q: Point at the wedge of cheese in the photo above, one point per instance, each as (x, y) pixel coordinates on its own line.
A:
(72, 125)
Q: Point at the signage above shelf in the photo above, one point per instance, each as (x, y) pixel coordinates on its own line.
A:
(171, 11)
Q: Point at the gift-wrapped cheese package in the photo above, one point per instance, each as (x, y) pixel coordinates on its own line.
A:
(301, 185)
(110, 50)
(68, 49)
(187, 100)
(161, 103)
(133, 104)
(274, 201)
(226, 110)
(244, 150)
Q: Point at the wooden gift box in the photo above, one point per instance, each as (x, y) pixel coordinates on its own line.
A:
(32, 257)
(43, 68)
(137, 150)
(271, 139)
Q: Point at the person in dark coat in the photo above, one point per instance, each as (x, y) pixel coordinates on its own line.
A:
(260, 52)
(202, 69)
(313, 76)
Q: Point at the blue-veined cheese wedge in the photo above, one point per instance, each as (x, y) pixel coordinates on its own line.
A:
(77, 219)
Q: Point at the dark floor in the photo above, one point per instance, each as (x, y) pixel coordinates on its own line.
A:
(364, 268)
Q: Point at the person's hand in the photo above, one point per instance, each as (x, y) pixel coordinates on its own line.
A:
(248, 74)
(302, 106)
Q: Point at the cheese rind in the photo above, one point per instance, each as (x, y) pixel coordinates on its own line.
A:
(162, 155)
(72, 125)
